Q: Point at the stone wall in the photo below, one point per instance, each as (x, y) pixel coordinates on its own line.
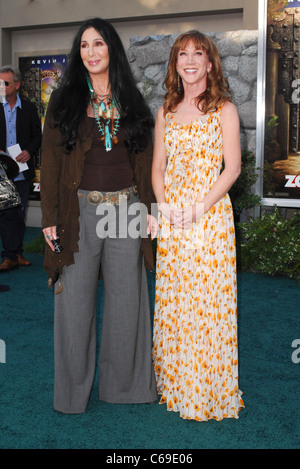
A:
(149, 57)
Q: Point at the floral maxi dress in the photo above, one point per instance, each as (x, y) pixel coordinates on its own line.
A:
(195, 348)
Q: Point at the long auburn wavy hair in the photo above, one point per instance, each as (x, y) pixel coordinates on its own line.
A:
(217, 91)
(74, 96)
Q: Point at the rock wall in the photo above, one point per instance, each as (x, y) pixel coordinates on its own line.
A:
(149, 57)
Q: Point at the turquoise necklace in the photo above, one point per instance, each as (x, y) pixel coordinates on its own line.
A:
(104, 115)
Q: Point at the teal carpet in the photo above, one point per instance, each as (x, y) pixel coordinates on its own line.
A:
(269, 322)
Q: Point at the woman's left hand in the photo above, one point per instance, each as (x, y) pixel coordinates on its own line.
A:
(191, 214)
(152, 228)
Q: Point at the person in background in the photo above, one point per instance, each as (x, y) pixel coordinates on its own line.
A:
(195, 324)
(8, 170)
(97, 158)
(19, 124)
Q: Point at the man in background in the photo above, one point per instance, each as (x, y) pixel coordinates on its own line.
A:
(8, 170)
(19, 124)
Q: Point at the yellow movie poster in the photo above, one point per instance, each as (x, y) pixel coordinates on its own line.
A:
(40, 77)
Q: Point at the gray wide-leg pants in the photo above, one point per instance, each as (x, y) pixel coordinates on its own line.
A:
(126, 372)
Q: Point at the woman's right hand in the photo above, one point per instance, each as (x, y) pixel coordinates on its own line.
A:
(49, 234)
(171, 213)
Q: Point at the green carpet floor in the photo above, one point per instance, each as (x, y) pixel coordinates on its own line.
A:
(269, 322)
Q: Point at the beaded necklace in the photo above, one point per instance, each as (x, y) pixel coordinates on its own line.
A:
(104, 115)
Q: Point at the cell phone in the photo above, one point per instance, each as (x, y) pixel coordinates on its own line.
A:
(57, 247)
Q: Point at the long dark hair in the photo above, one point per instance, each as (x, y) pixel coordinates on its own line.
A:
(71, 105)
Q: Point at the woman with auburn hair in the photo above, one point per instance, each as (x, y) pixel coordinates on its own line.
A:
(96, 173)
(217, 90)
(195, 324)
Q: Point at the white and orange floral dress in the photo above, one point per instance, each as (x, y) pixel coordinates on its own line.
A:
(195, 347)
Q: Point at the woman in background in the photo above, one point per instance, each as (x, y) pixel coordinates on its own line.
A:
(195, 324)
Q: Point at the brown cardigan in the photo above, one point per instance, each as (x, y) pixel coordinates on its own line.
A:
(61, 175)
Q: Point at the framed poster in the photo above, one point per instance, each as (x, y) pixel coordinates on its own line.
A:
(40, 75)
(278, 103)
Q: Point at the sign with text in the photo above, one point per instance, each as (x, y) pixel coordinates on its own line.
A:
(278, 142)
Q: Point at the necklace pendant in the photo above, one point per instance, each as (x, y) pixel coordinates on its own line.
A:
(105, 114)
(107, 138)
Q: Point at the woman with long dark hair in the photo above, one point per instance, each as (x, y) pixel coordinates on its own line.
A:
(195, 323)
(95, 185)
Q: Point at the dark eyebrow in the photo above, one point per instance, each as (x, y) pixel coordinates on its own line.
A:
(94, 40)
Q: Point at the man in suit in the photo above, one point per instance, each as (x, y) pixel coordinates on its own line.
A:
(8, 170)
(19, 124)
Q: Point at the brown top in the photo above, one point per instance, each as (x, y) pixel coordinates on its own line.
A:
(61, 175)
(107, 171)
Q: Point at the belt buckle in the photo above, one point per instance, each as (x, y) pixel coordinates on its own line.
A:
(115, 198)
(110, 198)
(95, 197)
